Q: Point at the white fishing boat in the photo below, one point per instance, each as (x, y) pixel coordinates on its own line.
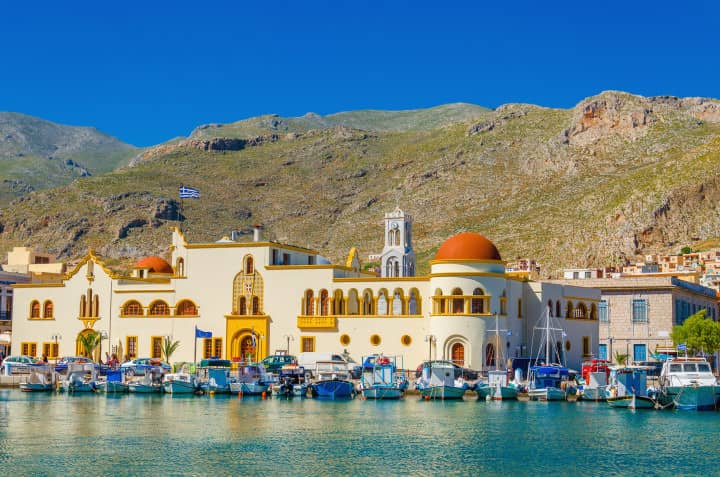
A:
(180, 383)
(688, 384)
(382, 380)
(41, 378)
(150, 383)
(251, 380)
(81, 378)
(437, 381)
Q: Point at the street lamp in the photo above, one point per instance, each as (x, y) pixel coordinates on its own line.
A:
(430, 339)
(289, 338)
(55, 337)
(103, 336)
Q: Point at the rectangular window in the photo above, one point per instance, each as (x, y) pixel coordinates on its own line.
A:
(50, 349)
(286, 259)
(311, 259)
(131, 343)
(29, 349)
(519, 314)
(587, 275)
(639, 352)
(217, 347)
(576, 275)
(604, 315)
(586, 346)
(602, 351)
(639, 310)
(308, 343)
(503, 306)
(207, 348)
(156, 347)
(275, 259)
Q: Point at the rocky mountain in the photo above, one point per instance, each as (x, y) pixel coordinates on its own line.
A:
(38, 154)
(616, 176)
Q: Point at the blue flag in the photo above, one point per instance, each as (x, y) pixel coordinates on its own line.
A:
(202, 334)
(682, 347)
(509, 333)
(189, 193)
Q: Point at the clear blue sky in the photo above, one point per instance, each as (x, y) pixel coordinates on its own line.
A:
(147, 71)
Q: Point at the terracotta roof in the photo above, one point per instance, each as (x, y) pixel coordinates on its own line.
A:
(155, 264)
(467, 246)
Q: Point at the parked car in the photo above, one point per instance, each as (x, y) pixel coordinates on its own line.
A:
(467, 373)
(274, 362)
(18, 364)
(308, 360)
(138, 366)
(62, 364)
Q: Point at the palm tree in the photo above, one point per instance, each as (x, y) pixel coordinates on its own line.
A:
(621, 358)
(168, 348)
(89, 342)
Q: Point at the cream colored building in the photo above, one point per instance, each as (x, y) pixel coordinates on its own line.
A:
(258, 297)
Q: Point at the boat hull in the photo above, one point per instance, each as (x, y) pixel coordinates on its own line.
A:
(179, 387)
(333, 389)
(145, 388)
(546, 394)
(80, 388)
(442, 392)
(382, 393)
(249, 389)
(626, 402)
(694, 398)
(113, 387)
(594, 394)
(36, 387)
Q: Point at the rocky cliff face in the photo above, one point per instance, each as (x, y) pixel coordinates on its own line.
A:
(602, 183)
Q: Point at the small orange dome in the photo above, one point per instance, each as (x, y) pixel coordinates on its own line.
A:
(155, 264)
(467, 246)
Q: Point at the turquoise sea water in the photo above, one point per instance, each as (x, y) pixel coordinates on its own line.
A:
(162, 435)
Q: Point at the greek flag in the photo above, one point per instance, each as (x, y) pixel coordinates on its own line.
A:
(189, 193)
(682, 347)
(202, 334)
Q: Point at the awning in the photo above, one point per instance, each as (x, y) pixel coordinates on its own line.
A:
(5, 338)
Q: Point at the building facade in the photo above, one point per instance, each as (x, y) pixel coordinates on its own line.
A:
(259, 297)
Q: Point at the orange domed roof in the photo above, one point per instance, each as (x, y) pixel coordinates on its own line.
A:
(467, 246)
(155, 264)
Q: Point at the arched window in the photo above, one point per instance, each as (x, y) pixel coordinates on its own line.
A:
(243, 306)
(439, 301)
(550, 308)
(180, 267)
(324, 302)
(593, 312)
(309, 303)
(478, 304)
(382, 304)
(580, 311)
(35, 309)
(397, 238)
(458, 304)
(569, 310)
(338, 303)
(457, 353)
(353, 302)
(392, 267)
(159, 308)
(185, 308)
(249, 266)
(558, 314)
(255, 305)
(367, 303)
(132, 308)
(489, 355)
(398, 302)
(48, 309)
(414, 302)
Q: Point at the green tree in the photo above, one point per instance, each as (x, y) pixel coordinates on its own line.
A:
(685, 250)
(621, 358)
(699, 333)
(168, 348)
(89, 342)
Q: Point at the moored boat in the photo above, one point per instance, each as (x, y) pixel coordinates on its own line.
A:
(214, 376)
(332, 380)
(114, 382)
(291, 379)
(251, 380)
(437, 381)
(548, 383)
(382, 380)
(40, 379)
(180, 383)
(151, 383)
(628, 388)
(497, 387)
(688, 384)
(595, 386)
(81, 378)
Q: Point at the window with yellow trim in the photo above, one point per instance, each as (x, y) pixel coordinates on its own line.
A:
(29, 349)
(35, 309)
(51, 350)
(156, 347)
(503, 305)
(207, 348)
(307, 343)
(406, 340)
(344, 340)
(132, 308)
(519, 313)
(159, 308)
(586, 346)
(186, 308)
(131, 347)
(375, 340)
(48, 309)
(217, 347)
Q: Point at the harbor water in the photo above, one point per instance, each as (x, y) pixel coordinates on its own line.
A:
(59, 434)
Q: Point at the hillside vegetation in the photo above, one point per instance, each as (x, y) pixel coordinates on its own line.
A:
(616, 176)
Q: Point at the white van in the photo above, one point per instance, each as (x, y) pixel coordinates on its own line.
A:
(308, 359)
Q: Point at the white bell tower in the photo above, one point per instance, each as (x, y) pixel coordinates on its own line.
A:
(398, 257)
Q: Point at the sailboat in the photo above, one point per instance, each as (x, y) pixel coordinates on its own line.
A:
(497, 388)
(547, 382)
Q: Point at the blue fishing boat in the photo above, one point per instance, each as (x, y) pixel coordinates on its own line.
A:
(548, 383)
(251, 380)
(41, 378)
(688, 384)
(382, 380)
(437, 381)
(180, 383)
(627, 388)
(214, 376)
(114, 382)
(332, 380)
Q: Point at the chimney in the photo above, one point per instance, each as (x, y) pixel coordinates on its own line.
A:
(257, 233)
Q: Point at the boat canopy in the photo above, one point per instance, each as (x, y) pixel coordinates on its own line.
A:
(219, 363)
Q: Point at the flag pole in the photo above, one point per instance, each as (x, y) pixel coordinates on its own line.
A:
(195, 348)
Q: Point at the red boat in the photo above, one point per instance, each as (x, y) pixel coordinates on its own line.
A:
(595, 366)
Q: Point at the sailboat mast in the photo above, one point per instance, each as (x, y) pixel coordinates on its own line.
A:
(497, 342)
(547, 336)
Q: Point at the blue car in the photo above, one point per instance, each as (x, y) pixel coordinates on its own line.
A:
(138, 366)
